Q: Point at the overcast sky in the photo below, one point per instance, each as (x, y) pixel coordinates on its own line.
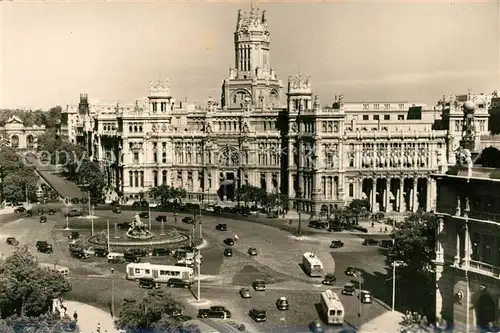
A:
(51, 52)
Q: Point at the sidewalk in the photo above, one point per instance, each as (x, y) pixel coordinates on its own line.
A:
(89, 316)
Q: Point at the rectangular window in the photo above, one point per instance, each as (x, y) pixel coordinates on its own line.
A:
(376, 117)
(401, 117)
(366, 117)
(155, 107)
(351, 190)
(401, 106)
(164, 157)
(136, 157)
(387, 117)
(155, 157)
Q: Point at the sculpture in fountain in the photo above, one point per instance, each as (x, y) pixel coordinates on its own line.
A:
(138, 230)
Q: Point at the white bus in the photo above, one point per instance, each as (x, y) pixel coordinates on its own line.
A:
(161, 273)
(55, 268)
(312, 265)
(332, 307)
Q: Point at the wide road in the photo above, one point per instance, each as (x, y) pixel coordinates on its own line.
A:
(277, 263)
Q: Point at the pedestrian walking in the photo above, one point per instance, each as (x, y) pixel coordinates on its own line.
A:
(75, 316)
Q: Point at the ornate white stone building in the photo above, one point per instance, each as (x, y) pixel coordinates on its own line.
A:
(19, 136)
(320, 156)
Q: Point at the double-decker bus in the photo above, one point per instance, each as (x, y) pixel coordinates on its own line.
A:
(332, 307)
(160, 273)
(312, 264)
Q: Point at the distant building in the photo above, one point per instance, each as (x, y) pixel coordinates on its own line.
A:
(20, 137)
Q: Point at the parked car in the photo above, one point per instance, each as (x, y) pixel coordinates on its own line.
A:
(20, 210)
(349, 289)
(221, 227)
(44, 247)
(221, 308)
(178, 283)
(282, 303)
(229, 241)
(245, 293)
(12, 241)
(140, 204)
(52, 211)
(188, 220)
(161, 252)
(386, 243)
(74, 212)
(209, 313)
(43, 219)
(228, 252)
(161, 218)
(370, 242)
(350, 271)
(336, 244)
(330, 279)
(116, 210)
(316, 326)
(29, 213)
(131, 257)
(100, 252)
(148, 283)
(365, 297)
(259, 285)
(124, 225)
(252, 251)
(144, 215)
(78, 253)
(258, 315)
(74, 235)
(318, 224)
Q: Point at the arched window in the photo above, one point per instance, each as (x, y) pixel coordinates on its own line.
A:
(14, 140)
(135, 128)
(131, 178)
(130, 128)
(164, 177)
(30, 142)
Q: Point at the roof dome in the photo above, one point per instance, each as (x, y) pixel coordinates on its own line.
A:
(469, 107)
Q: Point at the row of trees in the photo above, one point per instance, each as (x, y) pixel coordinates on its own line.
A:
(77, 165)
(48, 118)
(26, 294)
(167, 193)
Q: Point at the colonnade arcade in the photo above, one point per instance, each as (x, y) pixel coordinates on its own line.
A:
(399, 194)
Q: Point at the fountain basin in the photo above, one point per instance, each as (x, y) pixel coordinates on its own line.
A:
(142, 235)
(171, 238)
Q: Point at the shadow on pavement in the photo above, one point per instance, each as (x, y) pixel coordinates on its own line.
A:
(378, 284)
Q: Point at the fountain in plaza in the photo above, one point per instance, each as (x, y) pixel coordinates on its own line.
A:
(138, 230)
(138, 235)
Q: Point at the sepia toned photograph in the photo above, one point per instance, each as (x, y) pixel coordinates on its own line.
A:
(249, 166)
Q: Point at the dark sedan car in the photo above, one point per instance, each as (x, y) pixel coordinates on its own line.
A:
(336, 244)
(258, 315)
(370, 242)
(229, 241)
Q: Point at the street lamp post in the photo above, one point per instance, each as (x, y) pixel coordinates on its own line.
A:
(92, 220)
(67, 222)
(360, 288)
(112, 293)
(198, 267)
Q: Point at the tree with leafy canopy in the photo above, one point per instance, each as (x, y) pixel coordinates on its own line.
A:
(151, 314)
(17, 177)
(90, 174)
(49, 323)
(25, 288)
(167, 193)
(414, 247)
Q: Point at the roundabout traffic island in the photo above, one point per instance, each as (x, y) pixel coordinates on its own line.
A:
(137, 234)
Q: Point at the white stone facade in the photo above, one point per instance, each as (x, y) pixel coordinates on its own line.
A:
(384, 152)
(19, 136)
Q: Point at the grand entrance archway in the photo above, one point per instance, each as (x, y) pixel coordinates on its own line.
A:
(228, 183)
(485, 311)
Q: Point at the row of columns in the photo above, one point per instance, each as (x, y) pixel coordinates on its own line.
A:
(399, 195)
